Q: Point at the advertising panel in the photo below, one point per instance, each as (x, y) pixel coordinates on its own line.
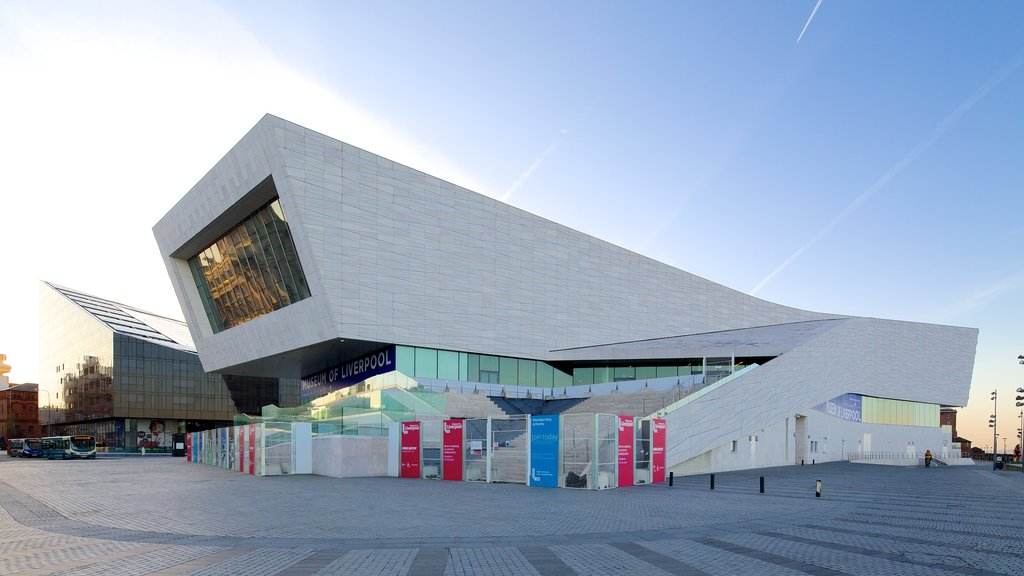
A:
(154, 433)
(658, 450)
(544, 451)
(410, 456)
(222, 447)
(188, 447)
(451, 450)
(626, 443)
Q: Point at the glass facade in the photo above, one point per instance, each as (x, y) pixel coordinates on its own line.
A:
(468, 367)
(899, 412)
(133, 388)
(250, 271)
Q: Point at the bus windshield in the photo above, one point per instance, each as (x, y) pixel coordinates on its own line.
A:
(34, 444)
(83, 443)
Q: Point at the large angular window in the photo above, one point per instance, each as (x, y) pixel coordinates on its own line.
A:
(250, 271)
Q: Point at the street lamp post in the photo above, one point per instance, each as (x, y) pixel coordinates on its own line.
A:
(49, 413)
(992, 425)
(1020, 431)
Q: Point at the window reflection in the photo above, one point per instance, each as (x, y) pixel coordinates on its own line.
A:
(250, 271)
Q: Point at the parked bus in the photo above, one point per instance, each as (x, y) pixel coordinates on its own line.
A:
(69, 447)
(14, 446)
(32, 448)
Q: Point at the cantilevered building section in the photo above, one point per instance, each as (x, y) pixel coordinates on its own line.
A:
(300, 256)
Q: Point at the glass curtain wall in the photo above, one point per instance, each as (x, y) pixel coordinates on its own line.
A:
(467, 367)
(250, 271)
(899, 412)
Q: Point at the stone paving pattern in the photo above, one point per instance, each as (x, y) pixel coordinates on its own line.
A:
(162, 516)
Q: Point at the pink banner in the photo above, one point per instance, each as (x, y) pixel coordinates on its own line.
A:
(626, 441)
(410, 456)
(188, 447)
(252, 449)
(451, 450)
(658, 450)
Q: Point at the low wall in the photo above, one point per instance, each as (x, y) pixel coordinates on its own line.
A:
(891, 461)
(350, 456)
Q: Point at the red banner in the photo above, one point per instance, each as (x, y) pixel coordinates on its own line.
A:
(188, 447)
(626, 441)
(252, 449)
(410, 443)
(658, 450)
(451, 450)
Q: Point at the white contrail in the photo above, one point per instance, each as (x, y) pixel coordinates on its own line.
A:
(898, 167)
(984, 297)
(533, 167)
(809, 18)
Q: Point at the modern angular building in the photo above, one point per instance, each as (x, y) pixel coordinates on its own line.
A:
(300, 256)
(132, 378)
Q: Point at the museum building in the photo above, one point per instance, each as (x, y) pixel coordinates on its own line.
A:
(298, 256)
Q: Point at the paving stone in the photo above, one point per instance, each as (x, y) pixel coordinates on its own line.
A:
(163, 517)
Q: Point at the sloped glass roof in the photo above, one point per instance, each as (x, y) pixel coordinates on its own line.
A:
(131, 321)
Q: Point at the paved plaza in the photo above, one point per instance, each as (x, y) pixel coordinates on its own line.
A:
(162, 516)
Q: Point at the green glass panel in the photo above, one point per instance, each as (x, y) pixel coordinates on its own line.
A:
(473, 371)
(489, 363)
(463, 366)
(545, 375)
(624, 373)
(527, 372)
(405, 360)
(508, 371)
(646, 373)
(583, 376)
(602, 374)
(447, 365)
(563, 379)
(426, 363)
(666, 371)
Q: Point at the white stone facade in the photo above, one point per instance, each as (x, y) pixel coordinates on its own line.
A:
(396, 256)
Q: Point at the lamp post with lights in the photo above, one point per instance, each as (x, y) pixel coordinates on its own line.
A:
(1020, 431)
(992, 425)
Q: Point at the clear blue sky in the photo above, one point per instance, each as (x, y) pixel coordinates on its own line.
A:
(873, 168)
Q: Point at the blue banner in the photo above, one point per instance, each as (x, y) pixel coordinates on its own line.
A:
(347, 374)
(845, 407)
(544, 451)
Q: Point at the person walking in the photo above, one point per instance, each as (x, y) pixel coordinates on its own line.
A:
(927, 458)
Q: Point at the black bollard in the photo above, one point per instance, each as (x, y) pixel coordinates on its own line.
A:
(762, 484)
(812, 461)
(670, 478)
(801, 461)
(712, 481)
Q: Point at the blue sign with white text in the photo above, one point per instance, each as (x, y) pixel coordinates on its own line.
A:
(346, 374)
(845, 407)
(544, 451)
